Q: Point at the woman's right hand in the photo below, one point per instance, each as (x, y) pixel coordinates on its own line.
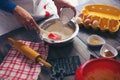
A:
(25, 18)
(63, 3)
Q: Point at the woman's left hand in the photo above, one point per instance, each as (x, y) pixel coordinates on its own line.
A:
(25, 18)
(63, 3)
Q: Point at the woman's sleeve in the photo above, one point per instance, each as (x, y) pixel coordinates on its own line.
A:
(7, 5)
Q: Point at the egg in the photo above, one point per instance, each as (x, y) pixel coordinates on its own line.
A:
(89, 16)
(87, 22)
(78, 20)
(95, 24)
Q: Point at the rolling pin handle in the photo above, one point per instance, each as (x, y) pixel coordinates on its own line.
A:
(40, 60)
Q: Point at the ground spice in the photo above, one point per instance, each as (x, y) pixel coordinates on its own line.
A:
(108, 53)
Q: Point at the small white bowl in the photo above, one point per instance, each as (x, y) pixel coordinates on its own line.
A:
(108, 51)
(95, 40)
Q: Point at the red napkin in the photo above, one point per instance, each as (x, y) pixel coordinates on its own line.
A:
(16, 66)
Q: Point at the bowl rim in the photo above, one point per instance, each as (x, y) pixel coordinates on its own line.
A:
(95, 60)
(80, 71)
(64, 40)
(96, 36)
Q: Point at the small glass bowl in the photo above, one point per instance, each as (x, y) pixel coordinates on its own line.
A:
(95, 40)
(108, 51)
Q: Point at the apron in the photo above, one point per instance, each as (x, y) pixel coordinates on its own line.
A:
(37, 8)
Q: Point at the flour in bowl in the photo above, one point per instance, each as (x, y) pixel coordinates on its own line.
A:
(65, 31)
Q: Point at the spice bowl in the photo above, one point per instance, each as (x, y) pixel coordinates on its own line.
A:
(108, 51)
(95, 40)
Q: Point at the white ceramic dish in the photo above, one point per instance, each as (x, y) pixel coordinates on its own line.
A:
(95, 40)
(108, 51)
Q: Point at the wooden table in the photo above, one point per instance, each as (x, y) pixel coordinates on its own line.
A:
(77, 47)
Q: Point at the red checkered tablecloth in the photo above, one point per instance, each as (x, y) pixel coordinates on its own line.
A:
(16, 66)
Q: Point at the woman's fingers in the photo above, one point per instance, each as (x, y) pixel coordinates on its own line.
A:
(36, 26)
(28, 24)
(31, 24)
(25, 18)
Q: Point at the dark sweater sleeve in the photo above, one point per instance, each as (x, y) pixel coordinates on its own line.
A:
(7, 5)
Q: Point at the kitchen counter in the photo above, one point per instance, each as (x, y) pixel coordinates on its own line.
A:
(76, 48)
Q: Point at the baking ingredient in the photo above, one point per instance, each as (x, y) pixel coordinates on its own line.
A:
(94, 41)
(108, 53)
(103, 75)
(50, 35)
(95, 24)
(78, 20)
(87, 22)
(65, 31)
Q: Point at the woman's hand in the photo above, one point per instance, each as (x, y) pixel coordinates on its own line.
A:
(25, 18)
(63, 3)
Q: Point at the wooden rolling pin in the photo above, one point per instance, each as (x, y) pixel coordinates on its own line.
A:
(28, 52)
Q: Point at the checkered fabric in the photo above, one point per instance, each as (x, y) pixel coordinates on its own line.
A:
(16, 66)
